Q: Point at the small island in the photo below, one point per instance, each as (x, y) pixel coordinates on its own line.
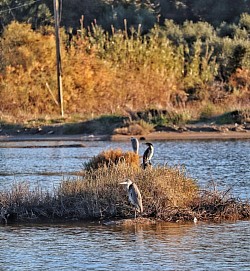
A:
(168, 194)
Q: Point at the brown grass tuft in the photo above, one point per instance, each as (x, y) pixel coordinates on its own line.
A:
(113, 157)
(139, 127)
(219, 205)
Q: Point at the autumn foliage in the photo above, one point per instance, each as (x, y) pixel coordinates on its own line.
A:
(122, 71)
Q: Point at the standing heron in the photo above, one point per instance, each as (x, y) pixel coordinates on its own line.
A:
(148, 154)
(135, 144)
(134, 195)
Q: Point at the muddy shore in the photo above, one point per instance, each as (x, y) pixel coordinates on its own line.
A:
(188, 132)
(187, 135)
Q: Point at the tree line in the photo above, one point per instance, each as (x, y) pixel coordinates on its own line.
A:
(113, 12)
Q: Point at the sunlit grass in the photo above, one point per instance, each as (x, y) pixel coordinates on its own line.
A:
(113, 157)
(167, 193)
(106, 73)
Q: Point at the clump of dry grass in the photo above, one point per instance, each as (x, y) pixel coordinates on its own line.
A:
(218, 205)
(167, 192)
(139, 127)
(22, 202)
(99, 193)
(113, 157)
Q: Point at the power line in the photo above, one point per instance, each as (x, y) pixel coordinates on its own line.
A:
(17, 7)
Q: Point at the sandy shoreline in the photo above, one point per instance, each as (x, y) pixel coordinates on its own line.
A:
(187, 135)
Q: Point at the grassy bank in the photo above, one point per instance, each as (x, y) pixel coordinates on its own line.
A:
(168, 194)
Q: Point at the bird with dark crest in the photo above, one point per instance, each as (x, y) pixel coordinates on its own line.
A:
(148, 154)
(134, 195)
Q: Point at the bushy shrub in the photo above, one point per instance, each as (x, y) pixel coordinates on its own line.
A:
(244, 22)
(173, 32)
(112, 73)
(29, 58)
(197, 31)
(113, 157)
(134, 16)
(167, 194)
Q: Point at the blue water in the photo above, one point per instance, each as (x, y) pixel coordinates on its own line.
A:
(95, 247)
(82, 246)
(225, 163)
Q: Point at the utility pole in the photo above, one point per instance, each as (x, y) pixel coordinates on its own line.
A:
(58, 56)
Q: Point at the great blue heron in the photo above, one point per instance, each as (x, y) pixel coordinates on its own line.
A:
(134, 195)
(148, 154)
(135, 144)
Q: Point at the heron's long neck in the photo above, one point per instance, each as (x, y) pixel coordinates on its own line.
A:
(129, 186)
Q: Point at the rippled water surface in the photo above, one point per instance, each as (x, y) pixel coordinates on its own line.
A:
(80, 246)
(225, 162)
(95, 247)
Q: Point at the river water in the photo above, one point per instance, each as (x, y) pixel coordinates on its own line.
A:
(80, 246)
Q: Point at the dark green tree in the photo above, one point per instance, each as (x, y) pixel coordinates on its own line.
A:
(211, 11)
(35, 12)
(107, 12)
(144, 12)
(215, 12)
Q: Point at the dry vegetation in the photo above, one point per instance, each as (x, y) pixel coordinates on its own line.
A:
(113, 157)
(168, 194)
(118, 73)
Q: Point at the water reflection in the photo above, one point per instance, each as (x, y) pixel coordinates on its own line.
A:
(155, 247)
(149, 247)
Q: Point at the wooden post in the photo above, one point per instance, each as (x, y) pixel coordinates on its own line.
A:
(58, 57)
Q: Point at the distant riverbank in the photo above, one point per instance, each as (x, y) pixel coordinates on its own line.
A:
(116, 129)
(186, 135)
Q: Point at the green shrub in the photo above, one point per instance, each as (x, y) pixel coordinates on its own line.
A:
(208, 111)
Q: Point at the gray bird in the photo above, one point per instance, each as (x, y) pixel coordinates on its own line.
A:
(135, 144)
(134, 195)
(148, 154)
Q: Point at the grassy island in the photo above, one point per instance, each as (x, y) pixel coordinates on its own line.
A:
(168, 194)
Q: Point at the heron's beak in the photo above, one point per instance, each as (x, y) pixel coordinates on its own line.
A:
(123, 183)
